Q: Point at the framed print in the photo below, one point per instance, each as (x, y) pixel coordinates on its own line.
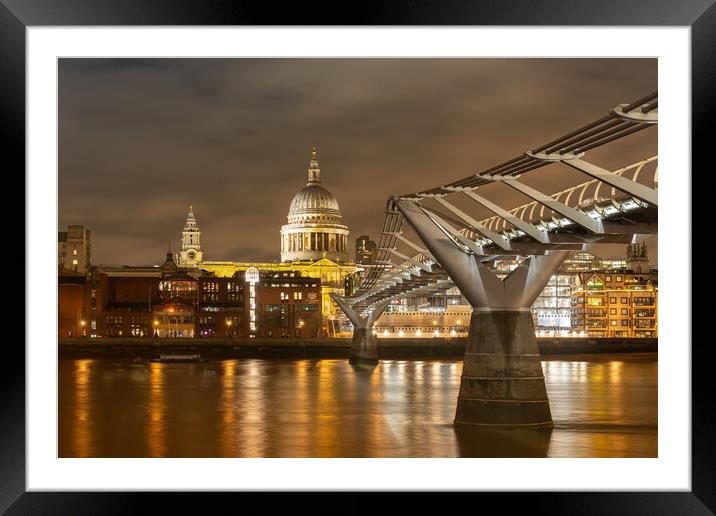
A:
(414, 251)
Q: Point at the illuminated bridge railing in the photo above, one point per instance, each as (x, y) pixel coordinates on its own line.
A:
(587, 197)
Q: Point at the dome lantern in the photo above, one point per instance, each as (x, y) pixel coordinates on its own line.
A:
(314, 171)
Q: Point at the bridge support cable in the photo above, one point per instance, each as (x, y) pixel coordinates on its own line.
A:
(502, 382)
(364, 347)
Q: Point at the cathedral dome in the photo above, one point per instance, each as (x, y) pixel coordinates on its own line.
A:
(314, 199)
(314, 228)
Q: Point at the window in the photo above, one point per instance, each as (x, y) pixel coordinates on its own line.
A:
(612, 311)
(625, 311)
(298, 295)
(614, 322)
(74, 262)
(625, 300)
(625, 322)
(619, 279)
(74, 252)
(609, 278)
(612, 300)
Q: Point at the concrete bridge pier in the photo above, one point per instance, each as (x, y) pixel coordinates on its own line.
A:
(502, 382)
(364, 346)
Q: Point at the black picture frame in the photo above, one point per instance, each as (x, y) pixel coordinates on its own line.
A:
(17, 15)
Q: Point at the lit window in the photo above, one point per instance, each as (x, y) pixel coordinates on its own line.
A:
(74, 262)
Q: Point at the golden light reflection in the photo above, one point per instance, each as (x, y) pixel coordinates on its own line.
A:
(228, 409)
(326, 437)
(156, 422)
(83, 428)
(251, 441)
(615, 371)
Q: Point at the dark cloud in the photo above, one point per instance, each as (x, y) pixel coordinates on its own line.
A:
(142, 138)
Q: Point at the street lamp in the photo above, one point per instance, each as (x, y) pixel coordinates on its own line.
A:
(84, 331)
(156, 330)
(228, 327)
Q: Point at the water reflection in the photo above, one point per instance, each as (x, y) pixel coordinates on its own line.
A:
(156, 438)
(601, 405)
(83, 423)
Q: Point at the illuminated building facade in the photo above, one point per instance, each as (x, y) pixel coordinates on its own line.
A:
(172, 301)
(552, 310)
(615, 304)
(190, 254)
(330, 276)
(581, 300)
(581, 262)
(451, 321)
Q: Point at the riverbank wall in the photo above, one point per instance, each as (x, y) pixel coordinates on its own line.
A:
(409, 348)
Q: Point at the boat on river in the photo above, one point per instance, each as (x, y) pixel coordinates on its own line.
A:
(180, 357)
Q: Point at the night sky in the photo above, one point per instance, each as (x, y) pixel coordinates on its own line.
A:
(140, 139)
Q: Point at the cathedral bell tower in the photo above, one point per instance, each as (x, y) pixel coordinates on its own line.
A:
(190, 254)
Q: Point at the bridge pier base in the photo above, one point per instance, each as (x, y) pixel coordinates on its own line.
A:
(364, 346)
(502, 382)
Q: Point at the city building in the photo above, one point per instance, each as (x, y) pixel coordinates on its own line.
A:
(190, 254)
(581, 262)
(72, 313)
(365, 250)
(74, 249)
(637, 258)
(615, 304)
(552, 310)
(451, 321)
(575, 302)
(615, 263)
(172, 301)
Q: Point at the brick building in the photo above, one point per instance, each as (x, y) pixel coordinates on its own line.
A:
(169, 301)
(72, 296)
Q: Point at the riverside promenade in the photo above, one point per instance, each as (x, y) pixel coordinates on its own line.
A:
(406, 348)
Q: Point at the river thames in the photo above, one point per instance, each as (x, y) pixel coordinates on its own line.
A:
(602, 406)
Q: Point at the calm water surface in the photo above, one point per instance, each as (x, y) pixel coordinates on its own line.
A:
(602, 406)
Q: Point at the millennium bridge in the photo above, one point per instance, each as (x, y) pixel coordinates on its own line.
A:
(443, 245)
